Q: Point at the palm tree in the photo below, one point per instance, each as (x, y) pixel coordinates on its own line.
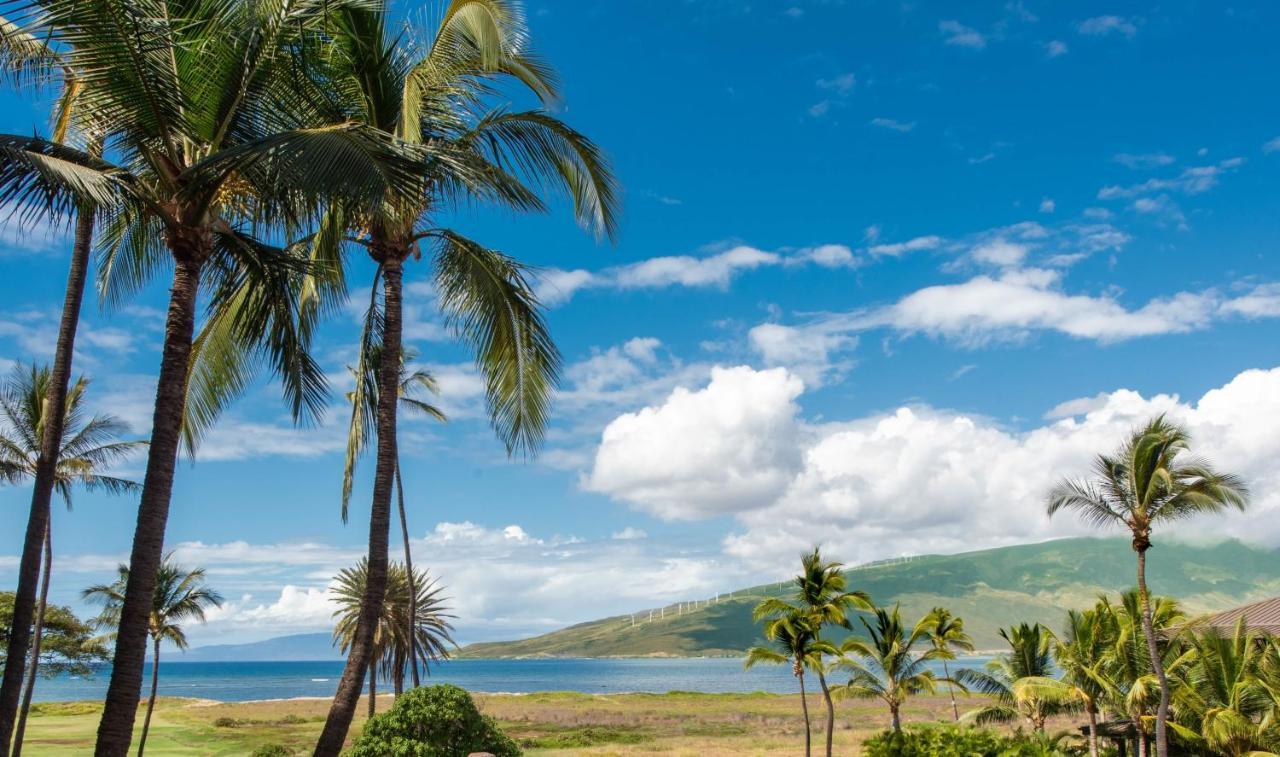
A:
(26, 56)
(1134, 690)
(364, 405)
(1082, 656)
(1222, 702)
(822, 594)
(1151, 480)
(432, 92)
(431, 638)
(884, 666)
(215, 133)
(793, 640)
(947, 634)
(86, 446)
(179, 596)
(1015, 680)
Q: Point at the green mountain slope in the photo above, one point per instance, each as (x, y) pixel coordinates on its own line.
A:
(989, 589)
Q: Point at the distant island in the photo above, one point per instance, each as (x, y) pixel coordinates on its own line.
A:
(302, 647)
(990, 589)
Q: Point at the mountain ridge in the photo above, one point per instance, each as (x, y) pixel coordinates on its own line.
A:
(989, 588)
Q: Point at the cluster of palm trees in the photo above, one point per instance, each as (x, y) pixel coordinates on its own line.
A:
(1113, 659)
(248, 148)
(880, 663)
(413, 630)
(1224, 688)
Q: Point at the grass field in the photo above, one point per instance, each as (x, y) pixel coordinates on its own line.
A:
(544, 724)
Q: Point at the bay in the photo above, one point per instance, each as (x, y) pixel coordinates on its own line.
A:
(247, 681)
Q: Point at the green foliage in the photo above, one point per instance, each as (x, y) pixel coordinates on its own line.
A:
(433, 721)
(952, 741)
(590, 736)
(272, 750)
(66, 646)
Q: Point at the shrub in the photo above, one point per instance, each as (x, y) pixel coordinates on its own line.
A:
(272, 750)
(952, 741)
(433, 721)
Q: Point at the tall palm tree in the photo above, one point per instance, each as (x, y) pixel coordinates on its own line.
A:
(364, 404)
(432, 91)
(821, 593)
(947, 634)
(1014, 680)
(394, 647)
(214, 134)
(1082, 656)
(1151, 480)
(1136, 692)
(86, 447)
(180, 596)
(792, 640)
(27, 60)
(885, 666)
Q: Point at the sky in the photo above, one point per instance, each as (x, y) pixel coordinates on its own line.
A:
(887, 271)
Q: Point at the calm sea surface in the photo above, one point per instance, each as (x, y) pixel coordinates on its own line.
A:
(241, 681)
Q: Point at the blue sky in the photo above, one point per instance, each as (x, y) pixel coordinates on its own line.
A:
(886, 270)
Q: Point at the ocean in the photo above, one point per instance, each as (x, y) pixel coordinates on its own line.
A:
(244, 681)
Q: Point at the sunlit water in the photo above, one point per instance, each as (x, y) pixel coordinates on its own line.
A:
(241, 681)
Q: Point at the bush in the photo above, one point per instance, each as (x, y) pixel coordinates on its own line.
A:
(952, 741)
(272, 750)
(433, 721)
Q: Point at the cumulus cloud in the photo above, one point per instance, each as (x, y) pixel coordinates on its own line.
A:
(921, 479)
(898, 249)
(1192, 181)
(728, 446)
(712, 271)
(1055, 48)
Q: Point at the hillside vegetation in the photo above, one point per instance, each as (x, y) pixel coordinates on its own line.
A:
(989, 589)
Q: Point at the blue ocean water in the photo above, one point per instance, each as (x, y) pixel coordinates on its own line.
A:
(243, 681)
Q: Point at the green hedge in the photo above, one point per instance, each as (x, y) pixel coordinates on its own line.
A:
(955, 741)
(433, 721)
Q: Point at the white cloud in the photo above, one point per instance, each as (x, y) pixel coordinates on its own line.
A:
(630, 532)
(1144, 160)
(556, 286)
(1101, 26)
(1020, 301)
(1192, 181)
(961, 35)
(1263, 301)
(1047, 205)
(842, 84)
(898, 249)
(1055, 48)
(825, 255)
(809, 351)
(892, 125)
(1000, 252)
(920, 479)
(1272, 145)
(728, 446)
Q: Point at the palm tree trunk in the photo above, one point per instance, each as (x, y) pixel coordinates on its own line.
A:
(896, 717)
(1093, 732)
(951, 689)
(115, 729)
(804, 707)
(46, 469)
(151, 700)
(831, 709)
(373, 689)
(1157, 665)
(1140, 738)
(34, 671)
(361, 656)
(413, 589)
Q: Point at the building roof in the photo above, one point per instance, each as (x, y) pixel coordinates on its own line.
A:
(1263, 616)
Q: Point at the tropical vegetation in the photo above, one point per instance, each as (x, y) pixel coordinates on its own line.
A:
(86, 449)
(413, 629)
(180, 596)
(1150, 481)
(433, 721)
